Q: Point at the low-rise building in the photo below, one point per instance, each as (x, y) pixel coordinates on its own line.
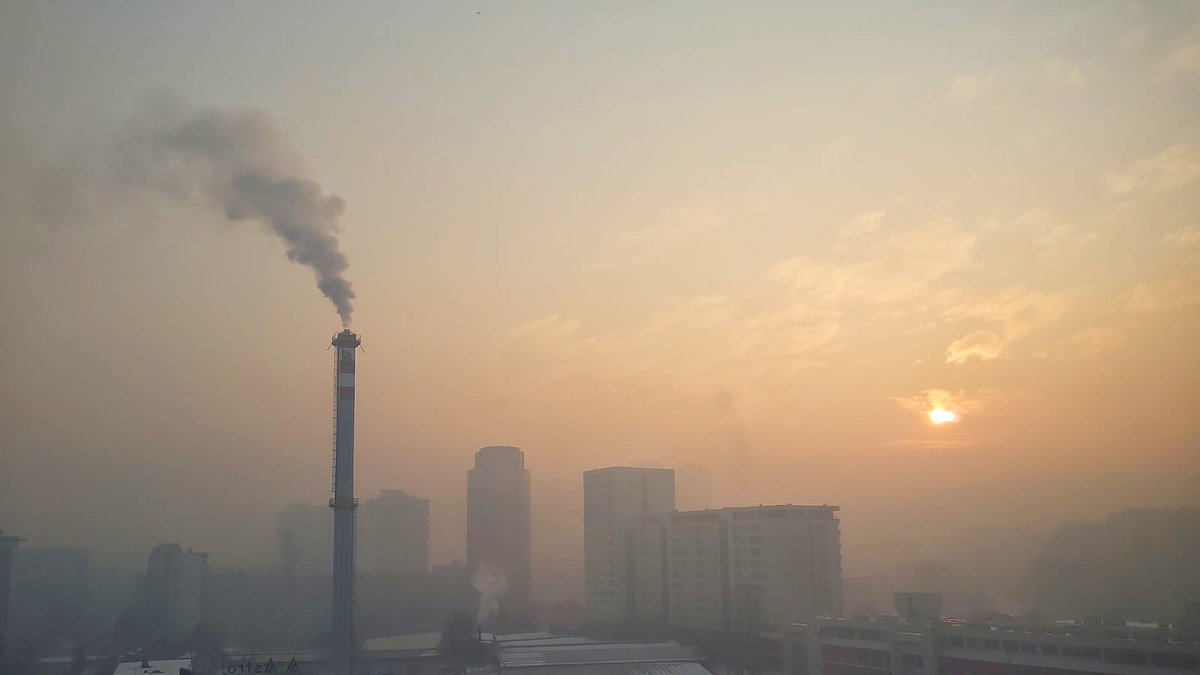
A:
(896, 646)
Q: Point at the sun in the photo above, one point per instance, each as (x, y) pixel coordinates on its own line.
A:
(942, 416)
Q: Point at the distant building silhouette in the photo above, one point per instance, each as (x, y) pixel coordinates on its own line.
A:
(305, 540)
(8, 545)
(615, 500)
(49, 592)
(393, 536)
(499, 538)
(174, 589)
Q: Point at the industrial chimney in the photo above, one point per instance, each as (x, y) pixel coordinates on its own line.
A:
(343, 503)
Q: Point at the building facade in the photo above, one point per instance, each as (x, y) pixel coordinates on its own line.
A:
(616, 501)
(393, 534)
(499, 529)
(174, 589)
(750, 569)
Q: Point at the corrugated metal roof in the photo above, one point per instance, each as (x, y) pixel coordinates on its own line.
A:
(157, 666)
(598, 653)
(548, 641)
(671, 668)
(413, 641)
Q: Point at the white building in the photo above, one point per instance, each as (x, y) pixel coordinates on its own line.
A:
(615, 501)
(751, 569)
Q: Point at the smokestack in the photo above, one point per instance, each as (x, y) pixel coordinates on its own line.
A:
(343, 502)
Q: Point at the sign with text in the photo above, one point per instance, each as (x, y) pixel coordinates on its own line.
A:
(263, 664)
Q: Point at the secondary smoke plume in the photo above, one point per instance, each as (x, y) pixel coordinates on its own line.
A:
(238, 161)
(490, 583)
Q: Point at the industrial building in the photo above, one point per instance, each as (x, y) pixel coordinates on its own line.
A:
(615, 501)
(920, 642)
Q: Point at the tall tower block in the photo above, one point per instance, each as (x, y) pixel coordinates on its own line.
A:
(343, 502)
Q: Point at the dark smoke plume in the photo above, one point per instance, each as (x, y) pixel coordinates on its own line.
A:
(239, 162)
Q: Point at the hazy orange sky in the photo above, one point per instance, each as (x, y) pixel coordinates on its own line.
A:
(756, 242)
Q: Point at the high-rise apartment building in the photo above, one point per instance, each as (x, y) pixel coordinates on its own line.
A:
(745, 569)
(174, 588)
(748, 569)
(616, 503)
(499, 539)
(393, 534)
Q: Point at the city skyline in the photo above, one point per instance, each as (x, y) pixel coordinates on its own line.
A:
(758, 246)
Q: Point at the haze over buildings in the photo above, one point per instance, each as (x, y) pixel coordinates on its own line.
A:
(759, 244)
(393, 536)
(173, 591)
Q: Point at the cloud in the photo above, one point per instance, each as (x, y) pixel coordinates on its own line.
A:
(1092, 342)
(1183, 60)
(860, 224)
(638, 245)
(1187, 236)
(1019, 310)
(960, 401)
(553, 327)
(981, 344)
(1175, 167)
(895, 270)
(1162, 297)
(1046, 229)
(965, 87)
(1065, 74)
(1132, 39)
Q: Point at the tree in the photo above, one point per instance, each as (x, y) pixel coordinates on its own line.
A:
(460, 641)
(79, 660)
(207, 644)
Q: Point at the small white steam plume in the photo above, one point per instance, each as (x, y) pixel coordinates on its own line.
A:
(490, 583)
(240, 163)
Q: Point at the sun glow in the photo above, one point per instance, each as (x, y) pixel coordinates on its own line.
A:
(942, 416)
